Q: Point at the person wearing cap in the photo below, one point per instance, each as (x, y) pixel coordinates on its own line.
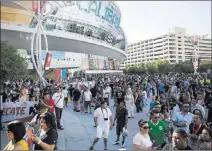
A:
(48, 102)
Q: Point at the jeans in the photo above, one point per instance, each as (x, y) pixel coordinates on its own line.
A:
(58, 112)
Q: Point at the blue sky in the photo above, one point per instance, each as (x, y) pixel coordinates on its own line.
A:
(147, 19)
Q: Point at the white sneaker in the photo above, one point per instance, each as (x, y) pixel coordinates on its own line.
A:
(123, 145)
(116, 143)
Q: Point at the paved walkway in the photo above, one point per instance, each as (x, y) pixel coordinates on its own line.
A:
(79, 131)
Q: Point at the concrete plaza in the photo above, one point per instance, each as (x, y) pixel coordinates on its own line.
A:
(79, 131)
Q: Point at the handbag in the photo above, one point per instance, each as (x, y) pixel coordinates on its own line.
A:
(125, 132)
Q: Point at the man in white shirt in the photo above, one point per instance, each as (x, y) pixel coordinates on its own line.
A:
(87, 96)
(65, 93)
(103, 121)
(58, 98)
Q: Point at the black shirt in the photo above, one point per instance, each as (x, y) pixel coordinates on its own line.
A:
(76, 94)
(192, 129)
(93, 92)
(121, 116)
(120, 96)
(71, 89)
(49, 138)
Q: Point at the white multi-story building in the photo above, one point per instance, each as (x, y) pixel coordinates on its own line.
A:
(173, 46)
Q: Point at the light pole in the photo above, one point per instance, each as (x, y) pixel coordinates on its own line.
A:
(194, 40)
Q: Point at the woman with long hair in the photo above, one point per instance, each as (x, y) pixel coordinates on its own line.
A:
(129, 101)
(16, 132)
(23, 97)
(48, 136)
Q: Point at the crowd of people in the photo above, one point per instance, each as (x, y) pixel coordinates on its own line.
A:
(178, 112)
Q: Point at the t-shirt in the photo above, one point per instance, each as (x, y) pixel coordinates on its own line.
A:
(87, 95)
(143, 141)
(157, 132)
(152, 104)
(50, 102)
(65, 93)
(101, 114)
(105, 93)
(119, 96)
(161, 87)
(121, 116)
(71, 89)
(196, 130)
(50, 137)
(58, 99)
(144, 94)
(76, 94)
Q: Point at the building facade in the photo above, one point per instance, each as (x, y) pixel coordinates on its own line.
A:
(173, 46)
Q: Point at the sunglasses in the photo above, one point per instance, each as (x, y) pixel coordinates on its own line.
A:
(146, 127)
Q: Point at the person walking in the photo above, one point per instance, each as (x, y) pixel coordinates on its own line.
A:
(121, 117)
(87, 97)
(103, 122)
(129, 101)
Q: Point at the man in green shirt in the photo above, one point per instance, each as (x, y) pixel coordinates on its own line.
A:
(158, 129)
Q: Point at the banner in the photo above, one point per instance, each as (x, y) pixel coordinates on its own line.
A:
(48, 61)
(106, 64)
(19, 110)
(58, 76)
(85, 64)
(101, 64)
(111, 64)
(95, 64)
(90, 64)
(64, 74)
(81, 85)
(35, 5)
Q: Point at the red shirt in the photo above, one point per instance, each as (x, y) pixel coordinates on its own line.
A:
(50, 102)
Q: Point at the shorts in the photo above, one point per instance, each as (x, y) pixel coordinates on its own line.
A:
(119, 129)
(87, 103)
(102, 132)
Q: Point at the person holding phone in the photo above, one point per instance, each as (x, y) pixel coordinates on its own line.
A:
(48, 136)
